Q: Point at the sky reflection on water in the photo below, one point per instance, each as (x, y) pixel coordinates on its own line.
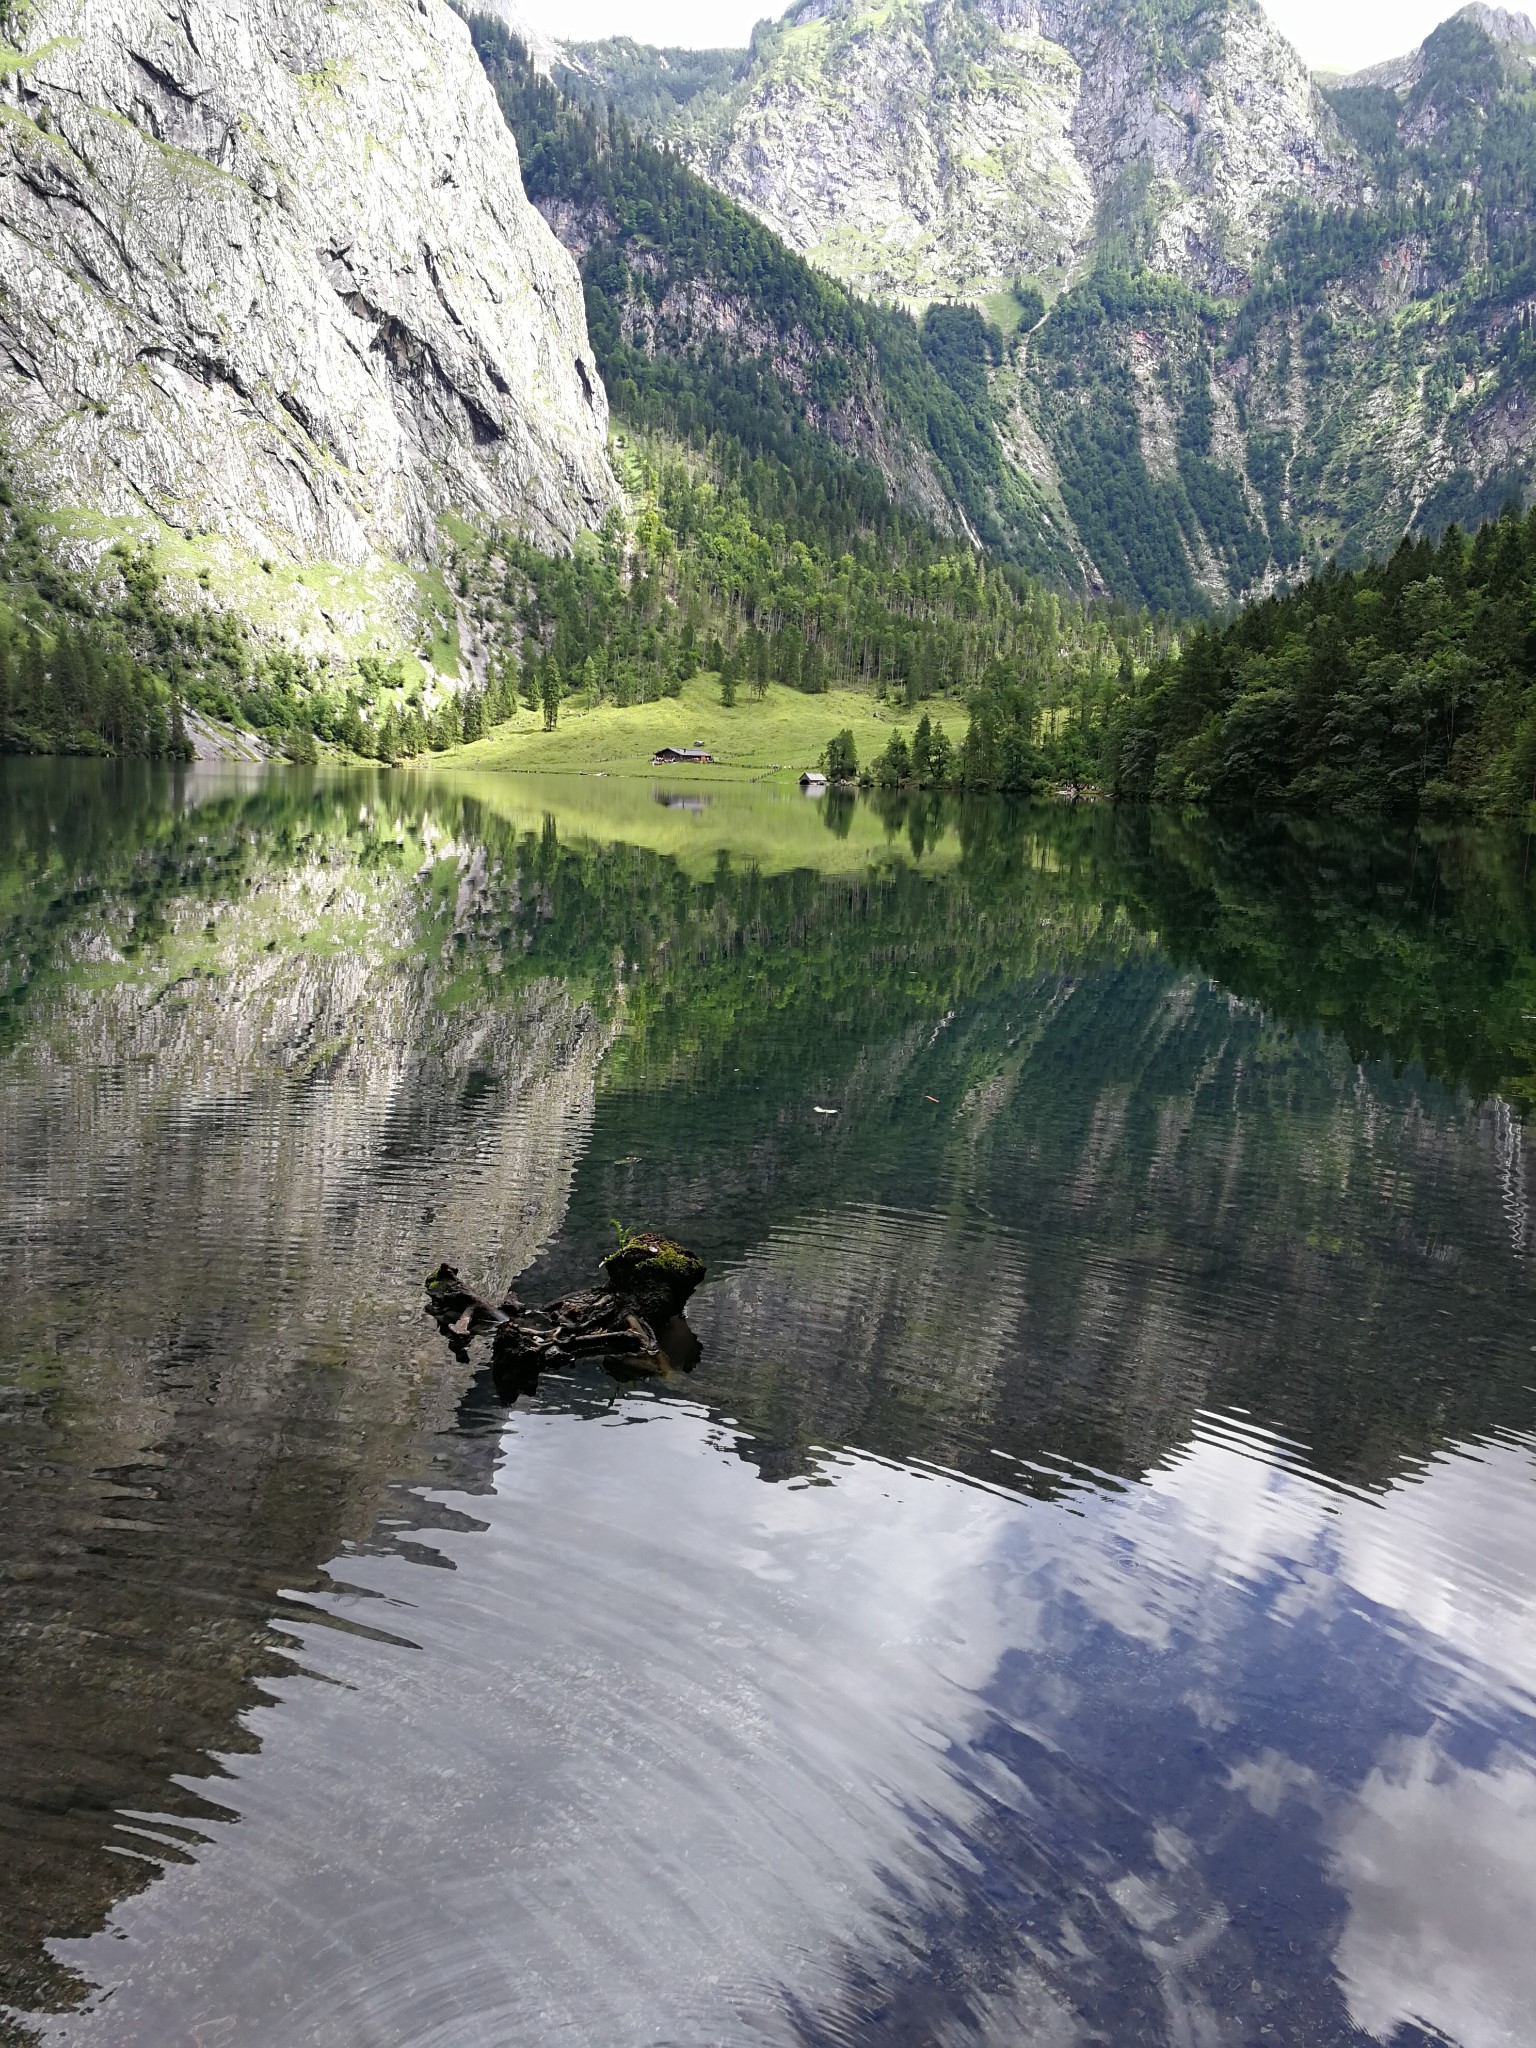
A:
(675, 1756)
(1136, 1640)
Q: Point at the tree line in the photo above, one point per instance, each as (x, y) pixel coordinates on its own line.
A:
(1408, 684)
(701, 583)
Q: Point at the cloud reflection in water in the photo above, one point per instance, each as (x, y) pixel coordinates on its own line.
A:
(680, 1757)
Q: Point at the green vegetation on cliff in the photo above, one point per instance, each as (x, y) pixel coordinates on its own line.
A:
(1374, 378)
(104, 657)
(706, 326)
(1365, 370)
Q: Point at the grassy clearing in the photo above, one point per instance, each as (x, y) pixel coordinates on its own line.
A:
(784, 734)
(764, 825)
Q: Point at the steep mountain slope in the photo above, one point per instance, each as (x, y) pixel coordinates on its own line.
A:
(920, 151)
(1284, 323)
(267, 272)
(707, 325)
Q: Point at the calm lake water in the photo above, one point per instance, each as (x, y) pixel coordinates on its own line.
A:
(1086, 1591)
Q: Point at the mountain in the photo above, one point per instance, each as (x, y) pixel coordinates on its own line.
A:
(269, 283)
(708, 326)
(1229, 322)
(920, 151)
(1401, 74)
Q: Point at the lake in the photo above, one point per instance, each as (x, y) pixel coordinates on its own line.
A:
(1084, 1592)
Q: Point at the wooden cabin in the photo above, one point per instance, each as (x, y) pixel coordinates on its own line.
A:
(680, 757)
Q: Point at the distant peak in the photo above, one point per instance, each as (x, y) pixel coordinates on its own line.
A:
(1499, 24)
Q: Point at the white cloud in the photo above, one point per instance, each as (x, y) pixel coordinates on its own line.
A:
(1451, 1548)
(669, 1733)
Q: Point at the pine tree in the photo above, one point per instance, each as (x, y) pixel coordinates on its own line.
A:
(181, 745)
(69, 692)
(32, 682)
(922, 752)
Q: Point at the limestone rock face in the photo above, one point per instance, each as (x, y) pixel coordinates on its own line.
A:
(1195, 132)
(267, 270)
(926, 149)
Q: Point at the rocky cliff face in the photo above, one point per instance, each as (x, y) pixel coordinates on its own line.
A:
(922, 150)
(1286, 322)
(267, 270)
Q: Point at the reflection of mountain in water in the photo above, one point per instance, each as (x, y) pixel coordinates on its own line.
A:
(274, 1052)
(1130, 1200)
(232, 1150)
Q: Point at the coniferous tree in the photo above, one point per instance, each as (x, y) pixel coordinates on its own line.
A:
(922, 752)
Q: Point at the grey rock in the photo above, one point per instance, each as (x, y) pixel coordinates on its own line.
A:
(927, 150)
(267, 271)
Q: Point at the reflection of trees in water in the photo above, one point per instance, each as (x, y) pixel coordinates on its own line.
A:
(1407, 945)
(1132, 1197)
(1131, 1200)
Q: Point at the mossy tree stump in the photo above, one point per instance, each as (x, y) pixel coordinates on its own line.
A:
(634, 1323)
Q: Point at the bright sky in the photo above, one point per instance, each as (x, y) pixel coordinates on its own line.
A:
(1328, 34)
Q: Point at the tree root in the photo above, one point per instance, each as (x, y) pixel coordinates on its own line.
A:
(634, 1324)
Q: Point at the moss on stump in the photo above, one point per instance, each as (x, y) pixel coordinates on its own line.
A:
(654, 1273)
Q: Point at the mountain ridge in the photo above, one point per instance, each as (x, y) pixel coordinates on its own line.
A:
(930, 150)
(1240, 346)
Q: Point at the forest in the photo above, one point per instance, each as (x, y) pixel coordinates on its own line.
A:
(705, 582)
(73, 678)
(1404, 685)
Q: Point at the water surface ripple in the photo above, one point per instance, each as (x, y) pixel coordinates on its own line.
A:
(1086, 1592)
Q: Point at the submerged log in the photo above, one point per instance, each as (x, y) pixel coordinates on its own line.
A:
(634, 1324)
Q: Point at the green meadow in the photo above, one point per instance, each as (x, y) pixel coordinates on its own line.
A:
(782, 735)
